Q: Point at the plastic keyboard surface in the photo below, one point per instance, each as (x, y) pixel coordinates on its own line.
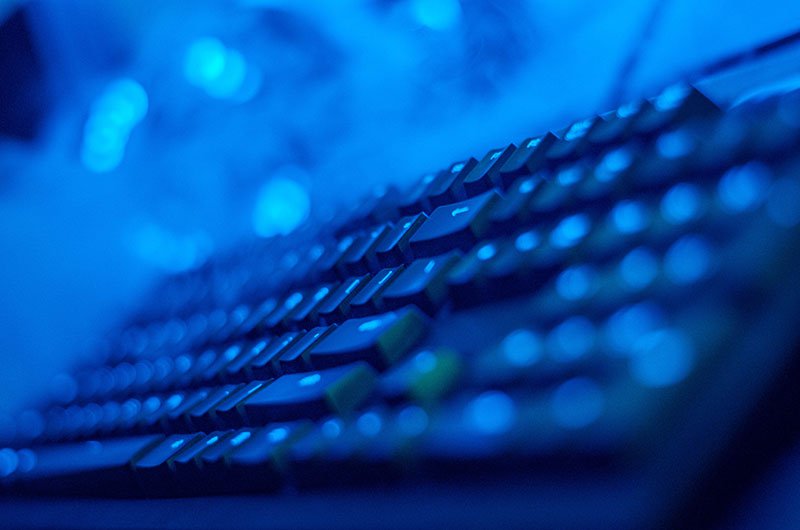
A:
(596, 312)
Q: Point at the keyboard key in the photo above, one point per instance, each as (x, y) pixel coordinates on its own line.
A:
(380, 340)
(153, 468)
(424, 377)
(336, 307)
(422, 284)
(267, 363)
(87, 468)
(481, 178)
(455, 226)
(261, 462)
(295, 357)
(311, 394)
(450, 187)
(368, 300)
(528, 159)
(394, 248)
(360, 257)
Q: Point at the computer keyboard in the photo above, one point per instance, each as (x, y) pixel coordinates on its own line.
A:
(605, 304)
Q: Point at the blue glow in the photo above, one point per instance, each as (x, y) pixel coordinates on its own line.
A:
(578, 129)
(688, 260)
(331, 428)
(177, 443)
(522, 347)
(437, 14)
(577, 403)
(211, 441)
(8, 462)
(486, 252)
(629, 216)
(681, 203)
(527, 241)
(627, 110)
(370, 325)
(630, 323)
(782, 203)
(322, 293)
(572, 339)
(492, 412)
(173, 401)
(459, 211)
(675, 144)
(743, 188)
(662, 358)
(240, 438)
(570, 231)
(569, 176)
(282, 205)
(614, 163)
(527, 186)
(222, 72)
(639, 268)
(671, 97)
(119, 109)
(576, 282)
(412, 420)
(278, 434)
(425, 361)
(293, 299)
(369, 424)
(309, 380)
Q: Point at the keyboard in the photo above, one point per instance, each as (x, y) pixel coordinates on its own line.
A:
(600, 318)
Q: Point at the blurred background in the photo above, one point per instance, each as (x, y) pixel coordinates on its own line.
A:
(139, 138)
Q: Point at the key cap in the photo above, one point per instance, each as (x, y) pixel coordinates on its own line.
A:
(306, 311)
(336, 307)
(455, 226)
(360, 257)
(380, 340)
(198, 418)
(267, 364)
(394, 249)
(424, 377)
(153, 469)
(368, 300)
(481, 178)
(87, 468)
(572, 144)
(450, 187)
(676, 104)
(421, 284)
(311, 394)
(416, 200)
(234, 372)
(295, 358)
(528, 159)
(511, 211)
(261, 461)
(225, 414)
(188, 471)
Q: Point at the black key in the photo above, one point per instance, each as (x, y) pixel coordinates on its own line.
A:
(380, 340)
(425, 377)
(235, 370)
(416, 200)
(329, 262)
(394, 249)
(337, 306)
(378, 207)
(251, 325)
(455, 226)
(311, 394)
(153, 468)
(465, 280)
(225, 414)
(262, 460)
(198, 418)
(450, 187)
(368, 300)
(676, 104)
(421, 284)
(175, 419)
(528, 159)
(572, 143)
(187, 468)
(481, 178)
(360, 257)
(295, 358)
(306, 311)
(267, 363)
(87, 468)
(512, 211)
(285, 308)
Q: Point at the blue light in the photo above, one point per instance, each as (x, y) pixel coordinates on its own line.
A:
(369, 424)
(575, 282)
(527, 241)
(436, 14)
(577, 403)
(569, 176)
(639, 268)
(240, 438)
(425, 361)
(743, 188)
(310, 380)
(630, 323)
(492, 412)
(282, 205)
(671, 97)
(221, 71)
(278, 434)
(681, 203)
(662, 358)
(570, 231)
(675, 144)
(688, 260)
(332, 428)
(522, 347)
(116, 112)
(629, 216)
(412, 420)
(572, 339)
(486, 252)
(8, 462)
(613, 163)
